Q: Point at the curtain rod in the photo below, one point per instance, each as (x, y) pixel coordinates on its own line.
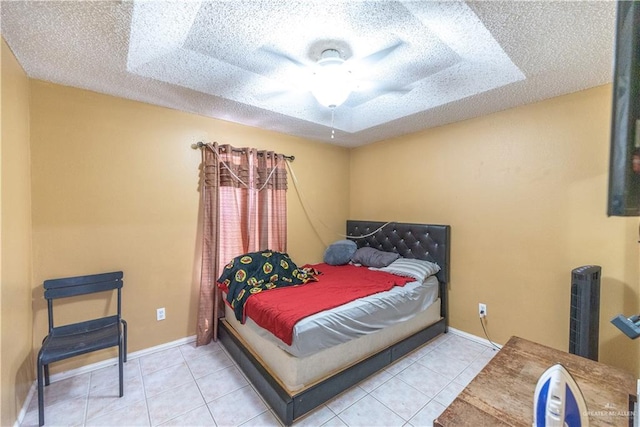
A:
(201, 144)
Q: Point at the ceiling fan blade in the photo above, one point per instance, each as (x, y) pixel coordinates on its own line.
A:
(380, 87)
(390, 88)
(369, 90)
(277, 54)
(376, 57)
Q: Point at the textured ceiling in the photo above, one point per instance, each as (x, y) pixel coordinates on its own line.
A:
(418, 64)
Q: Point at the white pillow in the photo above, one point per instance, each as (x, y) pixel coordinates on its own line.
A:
(414, 268)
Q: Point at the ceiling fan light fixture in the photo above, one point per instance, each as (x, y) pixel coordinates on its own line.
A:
(332, 81)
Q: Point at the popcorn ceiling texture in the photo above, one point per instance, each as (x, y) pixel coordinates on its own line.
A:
(249, 62)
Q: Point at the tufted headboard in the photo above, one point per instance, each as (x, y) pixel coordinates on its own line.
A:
(422, 241)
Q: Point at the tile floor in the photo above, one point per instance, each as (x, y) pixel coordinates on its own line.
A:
(189, 386)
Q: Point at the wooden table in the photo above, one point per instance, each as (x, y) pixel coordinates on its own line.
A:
(502, 393)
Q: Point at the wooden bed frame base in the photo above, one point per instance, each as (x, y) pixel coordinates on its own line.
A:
(289, 407)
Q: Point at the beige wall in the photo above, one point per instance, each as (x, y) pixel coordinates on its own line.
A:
(17, 371)
(115, 187)
(525, 193)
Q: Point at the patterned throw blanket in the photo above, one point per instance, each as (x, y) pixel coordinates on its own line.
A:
(254, 272)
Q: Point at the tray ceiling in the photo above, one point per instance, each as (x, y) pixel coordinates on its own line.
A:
(416, 64)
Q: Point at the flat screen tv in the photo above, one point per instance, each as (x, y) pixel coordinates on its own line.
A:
(624, 170)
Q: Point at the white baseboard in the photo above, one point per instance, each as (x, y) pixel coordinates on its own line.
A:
(471, 337)
(94, 366)
(25, 405)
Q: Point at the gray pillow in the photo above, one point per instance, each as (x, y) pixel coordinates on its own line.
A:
(340, 252)
(372, 257)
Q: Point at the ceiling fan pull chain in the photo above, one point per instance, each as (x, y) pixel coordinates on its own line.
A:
(333, 130)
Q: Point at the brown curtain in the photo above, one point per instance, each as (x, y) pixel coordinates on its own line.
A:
(244, 210)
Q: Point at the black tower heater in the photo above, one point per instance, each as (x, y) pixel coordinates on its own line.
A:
(585, 311)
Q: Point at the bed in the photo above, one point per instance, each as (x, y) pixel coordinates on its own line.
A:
(295, 382)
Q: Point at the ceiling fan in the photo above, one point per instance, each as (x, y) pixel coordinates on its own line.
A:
(333, 78)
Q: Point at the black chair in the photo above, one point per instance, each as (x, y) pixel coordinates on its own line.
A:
(79, 338)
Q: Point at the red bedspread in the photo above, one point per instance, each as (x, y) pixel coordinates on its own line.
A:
(278, 310)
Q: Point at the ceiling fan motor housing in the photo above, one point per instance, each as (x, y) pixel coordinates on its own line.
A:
(332, 80)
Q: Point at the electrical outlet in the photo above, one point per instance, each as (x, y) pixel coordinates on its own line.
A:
(482, 310)
(160, 313)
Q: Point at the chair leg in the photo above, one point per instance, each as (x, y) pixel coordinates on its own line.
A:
(121, 356)
(46, 367)
(124, 327)
(46, 375)
(40, 395)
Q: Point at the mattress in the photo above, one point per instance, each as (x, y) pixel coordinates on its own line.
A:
(355, 319)
(296, 373)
